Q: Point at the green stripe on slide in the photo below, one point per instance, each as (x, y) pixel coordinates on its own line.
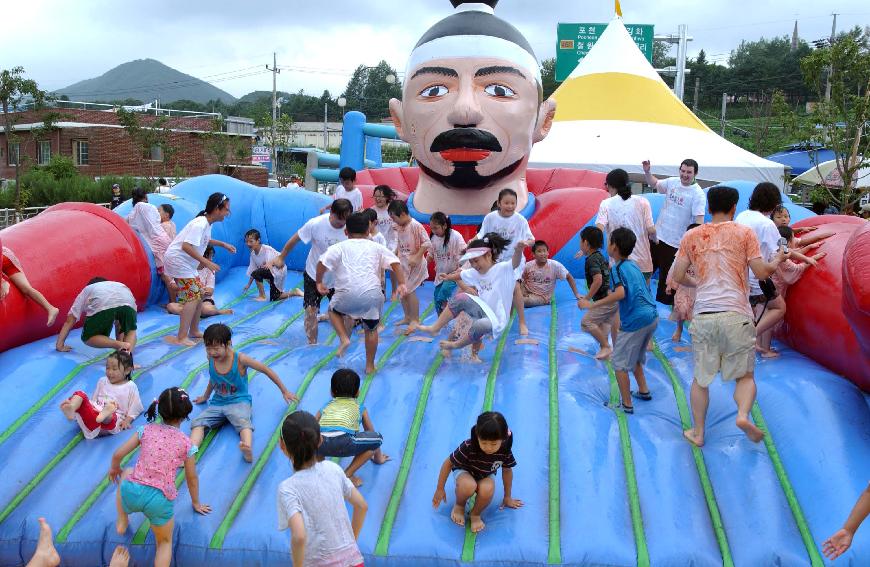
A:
(630, 478)
(554, 551)
(700, 464)
(470, 537)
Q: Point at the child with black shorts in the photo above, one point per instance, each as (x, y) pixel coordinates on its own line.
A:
(321, 232)
(357, 264)
(339, 426)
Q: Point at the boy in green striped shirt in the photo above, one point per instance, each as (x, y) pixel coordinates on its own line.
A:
(339, 426)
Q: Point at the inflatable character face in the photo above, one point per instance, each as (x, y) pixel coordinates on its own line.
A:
(471, 111)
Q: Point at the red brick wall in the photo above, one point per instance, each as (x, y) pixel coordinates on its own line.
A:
(254, 174)
(111, 151)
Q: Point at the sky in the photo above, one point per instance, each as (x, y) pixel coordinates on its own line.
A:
(319, 44)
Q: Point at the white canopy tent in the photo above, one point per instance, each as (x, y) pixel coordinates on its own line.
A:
(615, 111)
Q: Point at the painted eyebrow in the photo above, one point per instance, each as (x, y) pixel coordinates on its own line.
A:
(446, 71)
(495, 69)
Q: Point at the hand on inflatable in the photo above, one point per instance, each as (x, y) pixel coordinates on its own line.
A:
(440, 496)
(837, 544)
(63, 348)
(247, 286)
(511, 503)
(645, 165)
(803, 229)
(202, 508)
(200, 400)
(115, 474)
(290, 397)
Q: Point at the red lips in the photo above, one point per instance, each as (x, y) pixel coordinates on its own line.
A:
(464, 154)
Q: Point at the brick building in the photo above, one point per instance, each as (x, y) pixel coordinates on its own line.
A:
(100, 146)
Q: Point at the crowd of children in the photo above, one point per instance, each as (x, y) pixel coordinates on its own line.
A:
(708, 282)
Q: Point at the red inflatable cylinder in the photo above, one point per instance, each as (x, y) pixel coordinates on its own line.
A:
(60, 251)
(827, 313)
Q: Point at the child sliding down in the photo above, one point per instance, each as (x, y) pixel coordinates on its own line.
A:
(487, 292)
(474, 465)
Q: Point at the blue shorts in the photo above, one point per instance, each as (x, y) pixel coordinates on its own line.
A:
(238, 415)
(150, 501)
(350, 444)
(443, 293)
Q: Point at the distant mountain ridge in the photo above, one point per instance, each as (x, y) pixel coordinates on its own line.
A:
(145, 80)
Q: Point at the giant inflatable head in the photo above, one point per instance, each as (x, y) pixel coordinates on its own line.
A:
(472, 108)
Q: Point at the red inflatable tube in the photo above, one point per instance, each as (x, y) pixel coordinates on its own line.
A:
(60, 251)
(828, 313)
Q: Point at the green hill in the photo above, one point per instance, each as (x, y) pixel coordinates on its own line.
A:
(257, 95)
(145, 80)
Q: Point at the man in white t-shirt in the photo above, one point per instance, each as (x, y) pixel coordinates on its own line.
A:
(357, 265)
(321, 232)
(346, 189)
(685, 204)
(765, 197)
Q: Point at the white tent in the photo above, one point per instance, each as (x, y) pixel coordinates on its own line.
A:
(615, 111)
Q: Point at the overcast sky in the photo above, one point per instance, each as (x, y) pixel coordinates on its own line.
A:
(228, 43)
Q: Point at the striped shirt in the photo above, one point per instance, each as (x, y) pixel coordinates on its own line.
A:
(341, 414)
(470, 458)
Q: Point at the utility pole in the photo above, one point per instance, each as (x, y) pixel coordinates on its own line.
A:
(724, 104)
(325, 117)
(681, 40)
(275, 70)
(697, 89)
(831, 67)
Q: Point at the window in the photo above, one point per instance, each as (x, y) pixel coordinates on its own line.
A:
(14, 153)
(80, 152)
(156, 153)
(43, 151)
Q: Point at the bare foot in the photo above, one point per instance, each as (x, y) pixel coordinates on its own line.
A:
(52, 315)
(173, 340)
(108, 410)
(769, 354)
(649, 346)
(342, 346)
(66, 408)
(524, 330)
(121, 524)
(526, 342)
(683, 349)
(604, 353)
(473, 358)
(45, 555)
(419, 339)
(247, 454)
(195, 334)
(356, 481)
(693, 438)
(322, 317)
(120, 558)
(225, 311)
(370, 369)
(477, 524)
(411, 328)
(404, 321)
(261, 298)
(384, 458)
(458, 515)
(677, 337)
(581, 352)
(448, 345)
(446, 353)
(754, 433)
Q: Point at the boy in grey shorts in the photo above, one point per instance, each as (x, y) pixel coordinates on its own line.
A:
(638, 317)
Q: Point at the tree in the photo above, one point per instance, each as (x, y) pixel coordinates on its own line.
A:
(840, 123)
(548, 77)
(766, 65)
(223, 146)
(370, 91)
(283, 134)
(146, 137)
(14, 89)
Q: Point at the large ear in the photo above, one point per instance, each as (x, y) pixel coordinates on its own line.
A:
(396, 115)
(546, 113)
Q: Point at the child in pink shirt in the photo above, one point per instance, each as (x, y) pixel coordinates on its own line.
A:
(413, 245)
(539, 277)
(167, 211)
(150, 487)
(684, 297)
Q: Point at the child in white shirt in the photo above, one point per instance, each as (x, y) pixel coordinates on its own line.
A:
(261, 255)
(346, 189)
(357, 264)
(447, 246)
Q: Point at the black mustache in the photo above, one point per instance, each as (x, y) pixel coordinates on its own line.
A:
(471, 138)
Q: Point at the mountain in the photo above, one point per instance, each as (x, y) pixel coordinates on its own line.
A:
(255, 96)
(146, 80)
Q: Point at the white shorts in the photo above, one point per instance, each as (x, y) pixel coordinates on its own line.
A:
(722, 342)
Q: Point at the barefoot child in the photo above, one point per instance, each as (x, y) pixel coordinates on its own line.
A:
(150, 487)
(146, 220)
(378, 238)
(340, 420)
(383, 196)
(185, 256)
(413, 245)
(13, 272)
(105, 306)
(115, 403)
(228, 379)
(447, 246)
(321, 232)
(638, 317)
(514, 228)
(346, 189)
(207, 279)
(540, 275)
(684, 297)
(311, 502)
(261, 255)
(474, 465)
(167, 211)
(601, 319)
(487, 292)
(357, 264)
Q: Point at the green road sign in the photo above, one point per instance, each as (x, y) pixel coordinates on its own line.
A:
(575, 41)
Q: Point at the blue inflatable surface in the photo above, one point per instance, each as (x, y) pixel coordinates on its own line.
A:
(600, 488)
